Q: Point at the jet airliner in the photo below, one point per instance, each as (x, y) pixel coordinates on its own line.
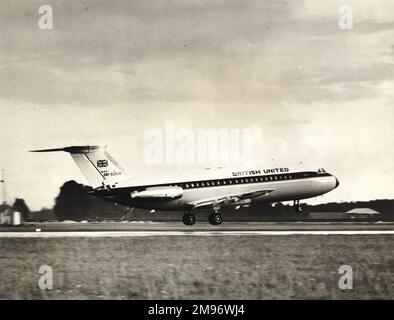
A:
(189, 191)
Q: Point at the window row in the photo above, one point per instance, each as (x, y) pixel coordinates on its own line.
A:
(222, 182)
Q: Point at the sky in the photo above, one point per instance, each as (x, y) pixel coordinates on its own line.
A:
(109, 71)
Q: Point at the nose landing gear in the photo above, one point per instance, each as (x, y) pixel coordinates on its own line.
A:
(297, 206)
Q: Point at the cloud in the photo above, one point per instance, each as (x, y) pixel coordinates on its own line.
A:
(180, 51)
(375, 72)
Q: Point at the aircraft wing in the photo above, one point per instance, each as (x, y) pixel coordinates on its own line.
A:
(228, 199)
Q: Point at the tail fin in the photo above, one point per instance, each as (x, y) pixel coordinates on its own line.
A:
(95, 163)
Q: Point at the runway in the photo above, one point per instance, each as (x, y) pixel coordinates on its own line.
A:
(157, 229)
(112, 234)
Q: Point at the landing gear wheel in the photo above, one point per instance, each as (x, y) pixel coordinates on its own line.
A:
(215, 219)
(297, 206)
(189, 219)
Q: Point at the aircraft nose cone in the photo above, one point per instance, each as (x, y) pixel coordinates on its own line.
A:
(336, 182)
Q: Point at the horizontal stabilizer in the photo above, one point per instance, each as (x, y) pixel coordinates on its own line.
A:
(73, 149)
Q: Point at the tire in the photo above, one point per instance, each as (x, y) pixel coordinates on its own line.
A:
(189, 219)
(215, 219)
(298, 209)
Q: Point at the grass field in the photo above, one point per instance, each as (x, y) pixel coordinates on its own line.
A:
(218, 267)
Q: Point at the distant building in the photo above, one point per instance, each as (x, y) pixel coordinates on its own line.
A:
(362, 213)
(8, 216)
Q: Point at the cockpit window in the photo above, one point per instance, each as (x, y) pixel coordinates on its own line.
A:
(321, 170)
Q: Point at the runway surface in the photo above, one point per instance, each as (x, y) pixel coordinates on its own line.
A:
(110, 234)
(151, 229)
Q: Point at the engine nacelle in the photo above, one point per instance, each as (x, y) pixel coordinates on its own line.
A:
(159, 193)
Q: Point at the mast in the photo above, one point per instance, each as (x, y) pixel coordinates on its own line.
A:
(3, 183)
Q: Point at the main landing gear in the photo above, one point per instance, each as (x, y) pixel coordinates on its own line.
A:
(297, 206)
(189, 219)
(215, 218)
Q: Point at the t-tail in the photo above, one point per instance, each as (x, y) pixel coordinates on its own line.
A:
(96, 164)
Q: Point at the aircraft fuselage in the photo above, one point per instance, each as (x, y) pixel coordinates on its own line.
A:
(285, 186)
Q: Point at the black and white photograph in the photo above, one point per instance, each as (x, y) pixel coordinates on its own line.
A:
(201, 151)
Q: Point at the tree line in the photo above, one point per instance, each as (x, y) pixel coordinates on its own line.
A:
(75, 203)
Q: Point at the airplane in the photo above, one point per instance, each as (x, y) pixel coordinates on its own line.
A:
(189, 191)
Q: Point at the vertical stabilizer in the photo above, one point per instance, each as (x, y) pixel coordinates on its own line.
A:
(95, 163)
